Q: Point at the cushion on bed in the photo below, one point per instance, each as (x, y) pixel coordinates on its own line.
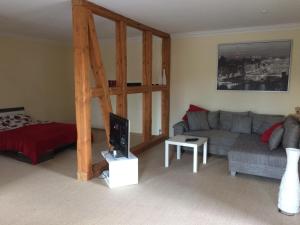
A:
(9, 122)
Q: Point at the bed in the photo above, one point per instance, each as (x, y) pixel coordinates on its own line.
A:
(33, 139)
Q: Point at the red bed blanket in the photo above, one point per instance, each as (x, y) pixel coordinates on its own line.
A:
(36, 140)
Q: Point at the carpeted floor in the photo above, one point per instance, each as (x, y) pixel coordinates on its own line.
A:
(50, 194)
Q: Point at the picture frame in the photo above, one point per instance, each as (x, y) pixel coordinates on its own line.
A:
(254, 66)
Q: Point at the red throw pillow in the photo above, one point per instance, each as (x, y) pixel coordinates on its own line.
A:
(267, 134)
(193, 108)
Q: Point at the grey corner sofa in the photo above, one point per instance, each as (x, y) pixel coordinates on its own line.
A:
(245, 151)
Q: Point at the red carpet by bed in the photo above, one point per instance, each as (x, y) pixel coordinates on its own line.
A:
(36, 140)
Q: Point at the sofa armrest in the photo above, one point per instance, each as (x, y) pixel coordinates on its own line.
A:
(180, 128)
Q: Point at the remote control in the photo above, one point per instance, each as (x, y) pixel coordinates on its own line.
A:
(191, 139)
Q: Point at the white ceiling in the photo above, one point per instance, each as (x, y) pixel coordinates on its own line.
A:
(52, 18)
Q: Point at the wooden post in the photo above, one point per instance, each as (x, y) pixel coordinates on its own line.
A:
(87, 54)
(82, 91)
(99, 74)
(147, 80)
(121, 55)
(166, 61)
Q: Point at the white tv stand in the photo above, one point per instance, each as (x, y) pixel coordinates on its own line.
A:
(121, 171)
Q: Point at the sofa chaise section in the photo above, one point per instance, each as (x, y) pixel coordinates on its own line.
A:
(250, 156)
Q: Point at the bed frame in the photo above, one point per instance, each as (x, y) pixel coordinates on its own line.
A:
(11, 110)
(50, 155)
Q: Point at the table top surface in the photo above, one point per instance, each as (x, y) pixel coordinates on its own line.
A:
(181, 139)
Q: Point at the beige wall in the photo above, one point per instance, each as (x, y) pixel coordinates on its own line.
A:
(194, 74)
(37, 74)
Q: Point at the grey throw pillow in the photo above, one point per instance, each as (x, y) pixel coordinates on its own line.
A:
(226, 119)
(276, 138)
(241, 124)
(261, 122)
(197, 121)
(291, 136)
(268, 122)
(213, 119)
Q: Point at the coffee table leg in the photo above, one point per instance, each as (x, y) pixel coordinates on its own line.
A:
(204, 153)
(166, 154)
(195, 159)
(178, 151)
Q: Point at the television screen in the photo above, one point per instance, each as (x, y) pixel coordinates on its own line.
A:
(119, 135)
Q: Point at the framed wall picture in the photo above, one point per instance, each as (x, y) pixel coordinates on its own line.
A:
(254, 66)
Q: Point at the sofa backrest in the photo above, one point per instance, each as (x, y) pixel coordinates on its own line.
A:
(291, 133)
(226, 118)
(261, 122)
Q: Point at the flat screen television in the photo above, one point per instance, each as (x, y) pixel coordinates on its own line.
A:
(119, 135)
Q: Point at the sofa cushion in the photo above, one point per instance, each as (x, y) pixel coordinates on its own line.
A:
(221, 150)
(291, 136)
(250, 150)
(180, 127)
(241, 124)
(226, 119)
(276, 138)
(197, 121)
(265, 137)
(213, 119)
(193, 108)
(261, 122)
(290, 120)
(216, 137)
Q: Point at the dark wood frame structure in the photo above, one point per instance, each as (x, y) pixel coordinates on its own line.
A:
(87, 56)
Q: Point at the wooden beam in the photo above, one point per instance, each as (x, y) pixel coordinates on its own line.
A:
(101, 11)
(98, 92)
(99, 167)
(77, 2)
(99, 74)
(166, 62)
(147, 81)
(137, 89)
(121, 55)
(82, 92)
(159, 88)
(149, 144)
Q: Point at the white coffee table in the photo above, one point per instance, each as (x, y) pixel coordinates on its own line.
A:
(179, 141)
